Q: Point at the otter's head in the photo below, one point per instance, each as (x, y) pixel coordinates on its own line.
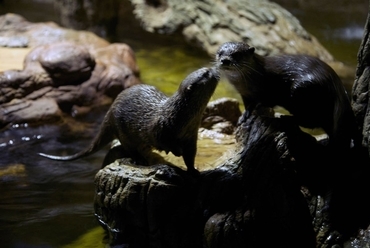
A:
(184, 109)
(200, 84)
(233, 54)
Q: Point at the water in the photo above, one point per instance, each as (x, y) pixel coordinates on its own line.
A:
(337, 24)
(45, 203)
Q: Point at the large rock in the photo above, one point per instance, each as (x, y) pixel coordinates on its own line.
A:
(261, 23)
(16, 31)
(30, 111)
(67, 75)
(277, 182)
(265, 25)
(254, 192)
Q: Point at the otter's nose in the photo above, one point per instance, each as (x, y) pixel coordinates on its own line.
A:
(225, 61)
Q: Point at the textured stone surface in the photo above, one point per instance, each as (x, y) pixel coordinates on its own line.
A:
(254, 192)
(68, 75)
(222, 115)
(16, 31)
(261, 23)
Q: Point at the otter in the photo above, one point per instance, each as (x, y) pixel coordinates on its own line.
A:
(143, 118)
(304, 85)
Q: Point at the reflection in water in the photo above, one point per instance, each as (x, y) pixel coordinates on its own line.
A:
(332, 17)
(349, 33)
(46, 203)
(43, 201)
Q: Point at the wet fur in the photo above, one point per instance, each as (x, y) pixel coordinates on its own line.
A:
(304, 85)
(143, 118)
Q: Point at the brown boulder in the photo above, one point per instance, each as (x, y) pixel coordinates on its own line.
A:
(44, 109)
(222, 115)
(16, 31)
(70, 75)
(65, 62)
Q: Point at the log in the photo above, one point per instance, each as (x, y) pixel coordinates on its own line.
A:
(254, 193)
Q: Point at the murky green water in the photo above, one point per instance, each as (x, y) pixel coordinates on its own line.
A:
(337, 24)
(165, 67)
(50, 204)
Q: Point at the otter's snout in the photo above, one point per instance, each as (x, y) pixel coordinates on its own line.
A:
(225, 61)
(214, 73)
(233, 53)
(209, 73)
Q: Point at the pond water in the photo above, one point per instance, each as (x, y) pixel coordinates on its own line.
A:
(50, 204)
(337, 24)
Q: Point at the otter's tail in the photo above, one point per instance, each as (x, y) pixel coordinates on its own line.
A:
(105, 135)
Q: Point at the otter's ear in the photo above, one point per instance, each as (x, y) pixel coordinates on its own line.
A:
(251, 49)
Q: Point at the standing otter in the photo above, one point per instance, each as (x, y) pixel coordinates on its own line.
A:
(143, 118)
(304, 85)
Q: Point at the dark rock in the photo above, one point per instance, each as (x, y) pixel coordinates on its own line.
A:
(255, 192)
(222, 115)
(157, 203)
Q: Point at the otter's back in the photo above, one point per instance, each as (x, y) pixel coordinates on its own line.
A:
(134, 112)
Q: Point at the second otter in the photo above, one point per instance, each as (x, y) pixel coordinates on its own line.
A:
(143, 118)
(304, 85)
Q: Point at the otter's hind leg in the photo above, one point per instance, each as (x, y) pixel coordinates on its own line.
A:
(139, 151)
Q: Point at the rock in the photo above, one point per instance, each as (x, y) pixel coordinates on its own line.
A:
(121, 70)
(261, 23)
(16, 31)
(157, 202)
(356, 204)
(221, 115)
(65, 63)
(21, 111)
(70, 75)
(276, 181)
(360, 94)
(252, 193)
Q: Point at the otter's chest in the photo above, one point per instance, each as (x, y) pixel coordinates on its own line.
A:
(270, 90)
